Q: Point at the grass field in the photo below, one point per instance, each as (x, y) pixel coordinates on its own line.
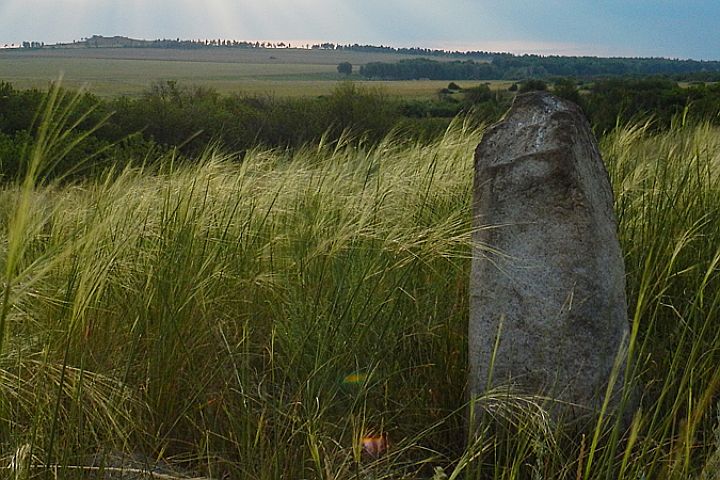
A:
(303, 315)
(129, 71)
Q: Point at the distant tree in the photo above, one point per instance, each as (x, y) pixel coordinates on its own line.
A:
(513, 87)
(345, 68)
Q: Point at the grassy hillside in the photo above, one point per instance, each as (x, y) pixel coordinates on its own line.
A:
(286, 315)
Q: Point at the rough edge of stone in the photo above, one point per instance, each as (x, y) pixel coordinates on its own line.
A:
(541, 104)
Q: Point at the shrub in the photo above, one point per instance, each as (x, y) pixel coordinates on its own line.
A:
(533, 85)
(345, 68)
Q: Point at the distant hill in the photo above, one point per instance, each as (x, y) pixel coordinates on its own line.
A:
(456, 65)
(99, 41)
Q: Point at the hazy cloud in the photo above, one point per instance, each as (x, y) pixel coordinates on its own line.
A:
(611, 27)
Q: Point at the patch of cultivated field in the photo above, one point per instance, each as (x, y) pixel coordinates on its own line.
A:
(313, 88)
(129, 71)
(222, 55)
(122, 76)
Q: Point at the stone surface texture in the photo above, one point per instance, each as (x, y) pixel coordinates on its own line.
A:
(547, 262)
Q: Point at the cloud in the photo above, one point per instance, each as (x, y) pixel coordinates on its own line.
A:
(612, 27)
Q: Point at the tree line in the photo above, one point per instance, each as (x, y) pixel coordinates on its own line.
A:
(99, 41)
(512, 67)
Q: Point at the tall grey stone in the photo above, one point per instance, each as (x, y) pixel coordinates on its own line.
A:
(547, 264)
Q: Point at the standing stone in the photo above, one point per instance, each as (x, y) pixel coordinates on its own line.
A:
(547, 262)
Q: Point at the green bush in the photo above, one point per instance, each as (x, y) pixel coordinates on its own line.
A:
(478, 94)
(533, 84)
(566, 88)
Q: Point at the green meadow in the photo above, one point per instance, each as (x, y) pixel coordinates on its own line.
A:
(302, 313)
(109, 72)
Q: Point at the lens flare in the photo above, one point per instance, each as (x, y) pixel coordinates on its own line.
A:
(375, 445)
(355, 378)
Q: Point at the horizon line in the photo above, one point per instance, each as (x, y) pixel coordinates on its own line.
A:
(540, 49)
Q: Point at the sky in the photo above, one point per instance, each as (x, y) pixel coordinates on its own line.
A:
(659, 28)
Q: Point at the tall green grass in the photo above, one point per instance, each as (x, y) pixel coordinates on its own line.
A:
(258, 317)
